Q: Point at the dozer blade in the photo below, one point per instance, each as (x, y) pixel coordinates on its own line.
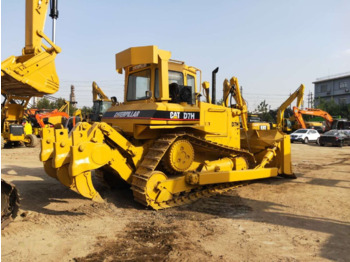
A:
(258, 141)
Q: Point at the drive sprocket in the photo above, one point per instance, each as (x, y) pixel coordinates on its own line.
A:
(179, 157)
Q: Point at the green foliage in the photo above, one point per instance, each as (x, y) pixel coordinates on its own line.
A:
(59, 103)
(44, 103)
(334, 109)
(86, 110)
(263, 107)
(219, 102)
(263, 110)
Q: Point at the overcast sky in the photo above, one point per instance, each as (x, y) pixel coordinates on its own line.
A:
(271, 46)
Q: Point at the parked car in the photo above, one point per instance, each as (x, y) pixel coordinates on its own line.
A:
(335, 138)
(305, 136)
(319, 129)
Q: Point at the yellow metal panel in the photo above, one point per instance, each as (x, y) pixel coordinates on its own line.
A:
(138, 55)
(163, 60)
(287, 156)
(207, 178)
(35, 21)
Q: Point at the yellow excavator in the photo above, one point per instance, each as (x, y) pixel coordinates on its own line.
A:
(167, 144)
(101, 102)
(31, 74)
(12, 118)
(286, 124)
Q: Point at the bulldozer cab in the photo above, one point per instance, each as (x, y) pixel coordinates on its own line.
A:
(151, 76)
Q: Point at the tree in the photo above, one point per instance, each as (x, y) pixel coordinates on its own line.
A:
(220, 101)
(44, 103)
(57, 104)
(338, 110)
(264, 112)
(86, 110)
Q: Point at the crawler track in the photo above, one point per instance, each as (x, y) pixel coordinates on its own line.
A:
(155, 155)
(9, 203)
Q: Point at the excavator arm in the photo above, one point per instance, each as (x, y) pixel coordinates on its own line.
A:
(65, 107)
(33, 73)
(299, 94)
(313, 112)
(98, 94)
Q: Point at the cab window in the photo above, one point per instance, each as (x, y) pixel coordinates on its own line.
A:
(174, 77)
(191, 83)
(138, 84)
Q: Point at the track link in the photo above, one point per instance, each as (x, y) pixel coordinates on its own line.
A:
(156, 153)
(9, 203)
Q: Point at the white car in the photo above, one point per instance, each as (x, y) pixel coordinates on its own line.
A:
(305, 136)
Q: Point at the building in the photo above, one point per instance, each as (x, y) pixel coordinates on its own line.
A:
(336, 87)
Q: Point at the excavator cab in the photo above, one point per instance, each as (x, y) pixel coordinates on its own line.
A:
(99, 107)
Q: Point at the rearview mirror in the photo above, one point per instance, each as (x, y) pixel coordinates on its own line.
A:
(148, 94)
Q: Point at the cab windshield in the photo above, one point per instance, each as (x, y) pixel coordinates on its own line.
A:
(100, 107)
(139, 84)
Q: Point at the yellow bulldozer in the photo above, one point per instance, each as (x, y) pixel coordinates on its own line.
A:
(171, 147)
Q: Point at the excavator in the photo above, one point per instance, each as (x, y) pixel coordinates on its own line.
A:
(285, 124)
(12, 116)
(59, 118)
(31, 74)
(313, 112)
(101, 103)
(167, 144)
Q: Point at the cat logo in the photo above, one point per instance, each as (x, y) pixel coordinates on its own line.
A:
(174, 115)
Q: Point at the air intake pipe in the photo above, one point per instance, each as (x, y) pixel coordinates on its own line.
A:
(213, 94)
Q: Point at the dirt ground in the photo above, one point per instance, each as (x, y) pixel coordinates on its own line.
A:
(303, 219)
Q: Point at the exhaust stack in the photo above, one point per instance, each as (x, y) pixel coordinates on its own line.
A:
(213, 94)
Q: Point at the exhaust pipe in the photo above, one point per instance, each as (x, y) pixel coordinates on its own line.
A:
(213, 84)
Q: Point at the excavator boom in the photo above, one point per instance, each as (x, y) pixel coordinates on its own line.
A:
(33, 73)
(299, 94)
(97, 93)
(313, 112)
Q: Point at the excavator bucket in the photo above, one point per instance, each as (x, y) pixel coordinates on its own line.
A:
(31, 74)
(35, 76)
